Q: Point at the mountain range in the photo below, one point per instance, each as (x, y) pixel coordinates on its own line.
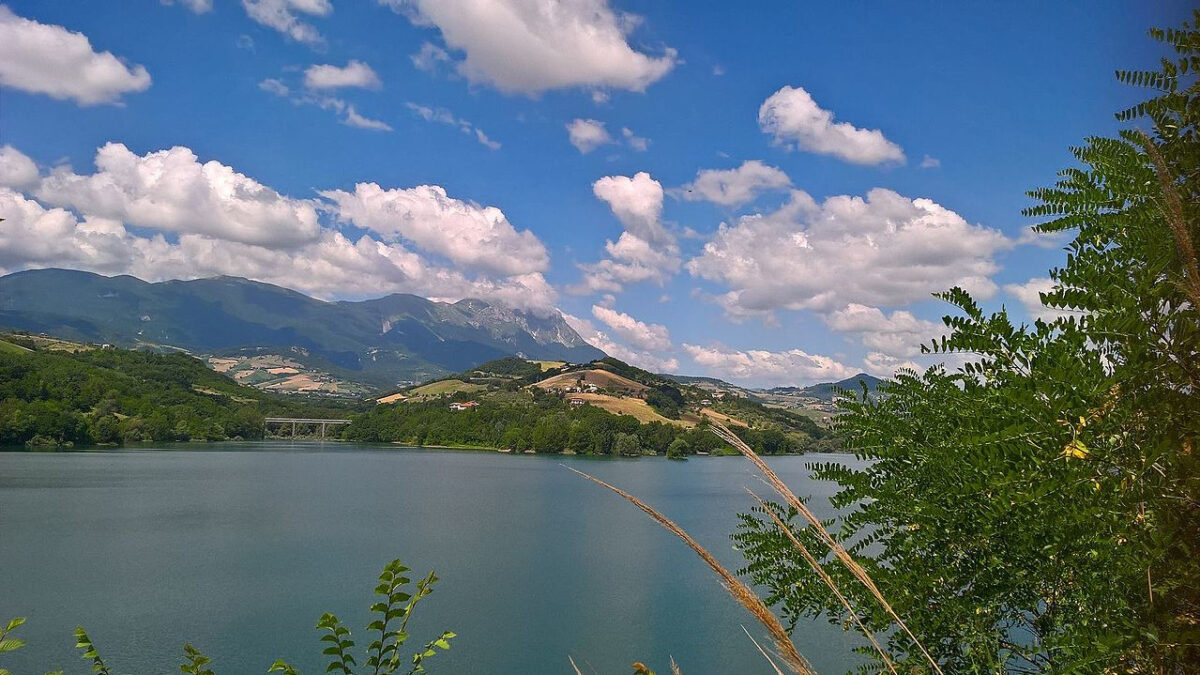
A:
(379, 342)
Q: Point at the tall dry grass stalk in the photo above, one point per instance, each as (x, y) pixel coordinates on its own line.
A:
(1176, 221)
(740, 592)
(837, 549)
(816, 567)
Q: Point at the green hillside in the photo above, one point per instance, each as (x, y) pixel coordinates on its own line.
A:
(120, 396)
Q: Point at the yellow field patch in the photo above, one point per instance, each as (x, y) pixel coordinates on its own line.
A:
(222, 365)
(634, 407)
(391, 399)
(45, 343)
(301, 383)
(550, 365)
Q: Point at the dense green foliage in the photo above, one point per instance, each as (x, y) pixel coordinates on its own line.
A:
(667, 400)
(120, 396)
(509, 366)
(382, 656)
(1037, 511)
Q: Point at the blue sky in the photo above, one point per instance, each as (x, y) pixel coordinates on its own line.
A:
(550, 156)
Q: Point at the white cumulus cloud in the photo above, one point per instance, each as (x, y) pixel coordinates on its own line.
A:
(32, 235)
(646, 250)
(46, 59)
(637, 202)
(1029, 294)
(794, 118)
(531, 46)
(760, 366)
(587, 135)
(472, 236)
(602, 341)
(16, 169)
(648, 336)
(886, 365)
(881, 250)
(733, 187)
(353, 119)
(281, 15)
(197, 6)
(275, 86)
(353, 74)
(899, 334)
(636, 142)
(173, 190)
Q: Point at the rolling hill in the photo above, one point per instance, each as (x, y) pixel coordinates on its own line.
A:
(378, 342)
(601, 407)
(601, 379)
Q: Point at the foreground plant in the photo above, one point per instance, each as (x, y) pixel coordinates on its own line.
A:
(1039, 509)
(382, 656)
(393, 613)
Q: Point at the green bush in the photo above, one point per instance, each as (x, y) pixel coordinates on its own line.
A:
(1037, 510)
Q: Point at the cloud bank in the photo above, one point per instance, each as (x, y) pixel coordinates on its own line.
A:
(169, 215)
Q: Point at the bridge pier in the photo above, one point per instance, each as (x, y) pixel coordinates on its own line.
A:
(296, 423)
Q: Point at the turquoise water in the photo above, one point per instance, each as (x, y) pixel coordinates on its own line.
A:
(238, 548)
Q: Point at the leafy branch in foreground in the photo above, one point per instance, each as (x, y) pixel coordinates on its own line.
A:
(383, 654)
(1038, 511)
(9, 643)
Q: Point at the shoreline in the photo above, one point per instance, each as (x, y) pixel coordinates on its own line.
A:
(194, 444)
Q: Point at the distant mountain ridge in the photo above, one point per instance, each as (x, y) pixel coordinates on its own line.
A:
(825, 390)
(380, 341)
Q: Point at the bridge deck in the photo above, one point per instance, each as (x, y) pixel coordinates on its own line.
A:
(302, 420)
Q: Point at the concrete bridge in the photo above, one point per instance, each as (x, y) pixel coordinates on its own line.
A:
(296, 421)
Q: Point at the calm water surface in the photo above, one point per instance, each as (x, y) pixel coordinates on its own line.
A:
(238, 548)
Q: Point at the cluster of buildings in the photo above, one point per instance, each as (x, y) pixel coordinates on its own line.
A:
(588, 388)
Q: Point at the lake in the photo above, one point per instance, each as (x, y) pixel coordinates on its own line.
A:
(239, 548)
